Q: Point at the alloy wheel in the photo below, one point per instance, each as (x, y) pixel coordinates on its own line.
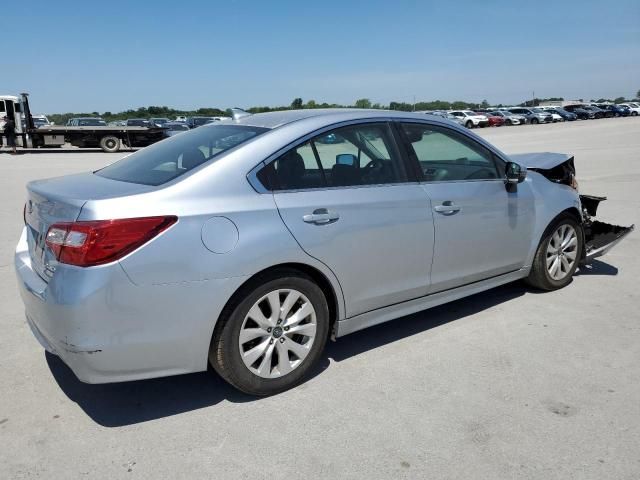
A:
(277, 333)
(562, 252)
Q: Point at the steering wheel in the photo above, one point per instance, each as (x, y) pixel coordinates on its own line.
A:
(374, 164)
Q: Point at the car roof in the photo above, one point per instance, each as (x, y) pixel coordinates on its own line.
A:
(329, 115)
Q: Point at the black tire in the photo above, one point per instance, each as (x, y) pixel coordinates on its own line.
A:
(508, 122)
(535, 121)
(469, 124)
(224, 353)
(634, 114)
(539, 277)
(110, 144)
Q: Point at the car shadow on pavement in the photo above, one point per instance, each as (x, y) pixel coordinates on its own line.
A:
(597, 267)
(127, 403)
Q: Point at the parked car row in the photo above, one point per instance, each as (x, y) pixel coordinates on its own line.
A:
(496, 117)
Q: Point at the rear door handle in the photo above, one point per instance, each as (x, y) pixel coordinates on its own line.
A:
(321, 216)
(447, 207)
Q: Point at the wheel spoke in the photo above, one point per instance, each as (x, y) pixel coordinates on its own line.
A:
(248, 334)
(565, 264)
(292, 297)
(308, 329)
(571, 254)
(257, 316)
(554, 268)
(569, 242)
(550, 259)
(284, 364)
(250, 356)
(303, 312)
(264, 369)
(274, 302)
(301, 351)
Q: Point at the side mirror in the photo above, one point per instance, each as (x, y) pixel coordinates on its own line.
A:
(514, 174)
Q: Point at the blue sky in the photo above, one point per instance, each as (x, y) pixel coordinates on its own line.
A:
(112, 55)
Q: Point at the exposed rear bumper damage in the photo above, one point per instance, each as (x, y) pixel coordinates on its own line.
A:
(599, 237)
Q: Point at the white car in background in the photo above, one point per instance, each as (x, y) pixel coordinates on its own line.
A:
(633, 107)
(556, 117)
(470, 119)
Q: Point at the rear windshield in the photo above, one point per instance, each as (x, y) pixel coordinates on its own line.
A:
(175, 156)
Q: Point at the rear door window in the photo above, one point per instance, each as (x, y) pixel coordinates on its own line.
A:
(349, 156)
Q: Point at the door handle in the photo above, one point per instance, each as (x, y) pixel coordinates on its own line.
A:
(447, 208)
(321, 216)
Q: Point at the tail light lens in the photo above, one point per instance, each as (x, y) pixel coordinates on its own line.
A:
(87, 244)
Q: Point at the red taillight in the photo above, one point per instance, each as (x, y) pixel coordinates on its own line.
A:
(97, 242)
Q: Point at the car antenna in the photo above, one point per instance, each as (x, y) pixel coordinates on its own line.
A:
(238, 113)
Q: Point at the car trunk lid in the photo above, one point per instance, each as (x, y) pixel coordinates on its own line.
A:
(61, 199)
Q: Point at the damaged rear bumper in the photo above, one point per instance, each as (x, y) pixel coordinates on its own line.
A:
(599, 237)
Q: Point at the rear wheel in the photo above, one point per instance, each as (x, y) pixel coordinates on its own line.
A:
(558, 255)
(272, 335)
(110, 144)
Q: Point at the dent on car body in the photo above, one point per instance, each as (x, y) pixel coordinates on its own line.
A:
(599, 237)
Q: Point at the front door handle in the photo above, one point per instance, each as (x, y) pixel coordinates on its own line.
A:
(321, 216)
(447, 208)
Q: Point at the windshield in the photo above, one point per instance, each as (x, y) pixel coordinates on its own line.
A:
(166, 160)
(177, 126)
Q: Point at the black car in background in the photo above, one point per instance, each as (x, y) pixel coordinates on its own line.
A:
(138, 122)
(613, 110)
(580, 112)
(597, 112)
(174, 128)
(194, 122)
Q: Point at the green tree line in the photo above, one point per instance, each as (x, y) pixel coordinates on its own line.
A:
(299, 103)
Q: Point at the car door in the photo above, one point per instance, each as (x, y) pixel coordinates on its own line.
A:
(481, 229)
(346, 197)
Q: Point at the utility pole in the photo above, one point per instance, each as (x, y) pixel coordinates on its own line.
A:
(533, 98)
(414, 103)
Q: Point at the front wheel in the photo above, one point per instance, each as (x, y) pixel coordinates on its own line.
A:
(469, 124)
(558, 255)
(534, 121)
(272, 334)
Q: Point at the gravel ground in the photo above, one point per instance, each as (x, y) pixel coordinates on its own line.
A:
(505, 384)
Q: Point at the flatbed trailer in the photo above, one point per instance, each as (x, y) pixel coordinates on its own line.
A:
(109, 139)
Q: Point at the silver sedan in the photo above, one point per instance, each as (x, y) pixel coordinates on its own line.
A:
(247, 244)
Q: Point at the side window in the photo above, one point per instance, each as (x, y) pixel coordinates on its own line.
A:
(2, 108)
(298, 169)
(359, 155)
(447, 156)
(348, 156)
